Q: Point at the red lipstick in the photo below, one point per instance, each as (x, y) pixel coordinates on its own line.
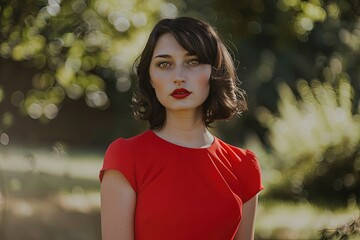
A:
(180, 93)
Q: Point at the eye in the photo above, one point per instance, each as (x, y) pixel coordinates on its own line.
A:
(163, 65)
(193, 62)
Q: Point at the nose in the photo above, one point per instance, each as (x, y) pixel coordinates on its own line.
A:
(179, 77)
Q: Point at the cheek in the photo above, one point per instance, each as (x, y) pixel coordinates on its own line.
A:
(154, 78)
(157, 77)
(203, 84)
(204, 78)
(157, 83)
(206, 82)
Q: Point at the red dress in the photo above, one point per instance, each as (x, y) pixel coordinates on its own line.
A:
(185, 193)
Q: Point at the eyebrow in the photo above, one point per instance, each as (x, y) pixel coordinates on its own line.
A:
(169, 56)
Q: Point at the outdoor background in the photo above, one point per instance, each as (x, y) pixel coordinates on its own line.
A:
(65, 91)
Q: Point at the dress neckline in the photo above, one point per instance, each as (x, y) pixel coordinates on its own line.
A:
(170, 144)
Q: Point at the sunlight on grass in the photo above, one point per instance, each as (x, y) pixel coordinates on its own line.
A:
(22, 208)
(53, 174)
(49, 192)
(82, 202)
(285, 220)
(51, 162)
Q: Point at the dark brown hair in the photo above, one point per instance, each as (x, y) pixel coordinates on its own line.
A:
(199, 38)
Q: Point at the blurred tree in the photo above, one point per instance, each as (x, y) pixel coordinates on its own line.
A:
(313, 132)
(75, 49)
(282, 41)
(315, 143)
(72, 48)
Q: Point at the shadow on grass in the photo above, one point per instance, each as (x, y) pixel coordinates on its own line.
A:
(44, 206)
(40, 184)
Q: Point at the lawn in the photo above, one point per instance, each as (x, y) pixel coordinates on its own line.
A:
(54, 194)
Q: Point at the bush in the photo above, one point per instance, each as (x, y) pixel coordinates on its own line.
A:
(315, 143)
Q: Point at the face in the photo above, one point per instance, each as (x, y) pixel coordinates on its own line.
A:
(180, 81)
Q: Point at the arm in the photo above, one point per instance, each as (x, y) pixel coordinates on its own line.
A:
(117, 207)
(246, 228)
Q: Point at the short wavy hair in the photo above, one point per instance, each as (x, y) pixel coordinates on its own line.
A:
(225, 98)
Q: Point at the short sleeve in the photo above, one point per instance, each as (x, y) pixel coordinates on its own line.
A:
(253, 176)
(119, 157)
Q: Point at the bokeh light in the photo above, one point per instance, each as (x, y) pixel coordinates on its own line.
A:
(123, 83)
(2, 94)
(7, 119)
(4, 139)
(35, 110)
(16, 98)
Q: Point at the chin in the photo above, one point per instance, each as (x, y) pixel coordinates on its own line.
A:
(185, 108)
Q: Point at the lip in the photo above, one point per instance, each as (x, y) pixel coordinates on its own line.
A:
(180, 93)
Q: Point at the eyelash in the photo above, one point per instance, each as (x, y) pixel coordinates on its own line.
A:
(191, 62)
(160, 64)
(194, 60)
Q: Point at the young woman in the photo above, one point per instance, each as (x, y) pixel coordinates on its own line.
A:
(176, 180)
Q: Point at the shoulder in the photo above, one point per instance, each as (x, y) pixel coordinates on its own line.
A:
(129, 143)
(239, 156)
(237, 151)
(247, 169)
(126, 149)
(122, 155)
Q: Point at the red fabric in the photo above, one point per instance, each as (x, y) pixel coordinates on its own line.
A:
(185, 193)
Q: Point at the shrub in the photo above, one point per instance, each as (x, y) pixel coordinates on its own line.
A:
(315, 142)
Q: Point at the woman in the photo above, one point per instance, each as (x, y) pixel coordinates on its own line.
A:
(176, 180)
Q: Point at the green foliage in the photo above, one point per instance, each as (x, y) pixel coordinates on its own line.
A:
(75, 45)
(312, 144)
(291, 39)
(315, 142)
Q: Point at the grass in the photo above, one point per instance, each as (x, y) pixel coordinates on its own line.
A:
(288, 220)
(51, 194)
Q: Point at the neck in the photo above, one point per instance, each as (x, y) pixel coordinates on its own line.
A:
(186, 130)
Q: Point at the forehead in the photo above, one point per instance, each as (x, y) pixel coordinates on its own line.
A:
(168, 45)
